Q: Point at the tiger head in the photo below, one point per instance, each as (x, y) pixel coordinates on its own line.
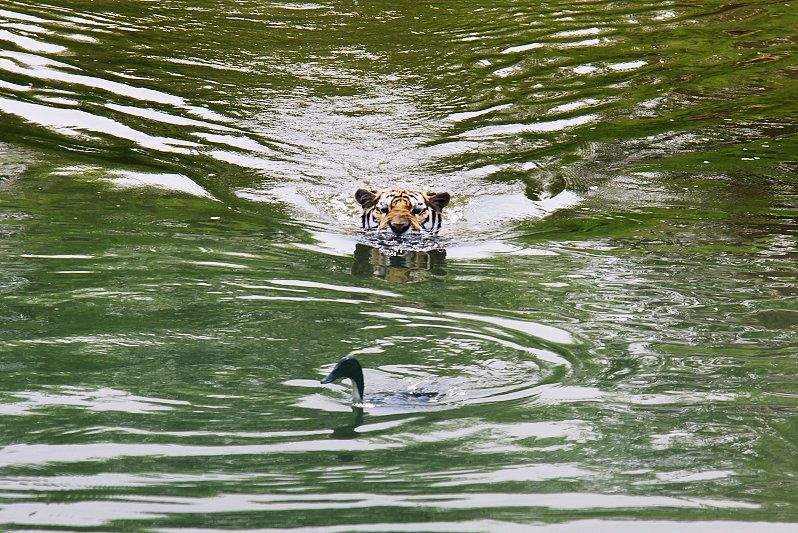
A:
(401, 209)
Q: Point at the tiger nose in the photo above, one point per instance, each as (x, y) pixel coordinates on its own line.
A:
(399, 226)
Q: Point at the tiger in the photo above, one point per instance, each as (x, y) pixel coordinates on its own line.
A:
(401, 209)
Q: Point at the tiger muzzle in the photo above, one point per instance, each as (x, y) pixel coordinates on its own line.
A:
(400, 221)
(399, 225)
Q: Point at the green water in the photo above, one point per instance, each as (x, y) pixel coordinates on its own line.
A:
(610, 310)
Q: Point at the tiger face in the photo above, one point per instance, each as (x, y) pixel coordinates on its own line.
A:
(401, 210)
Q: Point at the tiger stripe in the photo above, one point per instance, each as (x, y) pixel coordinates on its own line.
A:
(401, 210)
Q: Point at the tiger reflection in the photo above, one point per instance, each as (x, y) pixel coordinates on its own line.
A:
(403, 267)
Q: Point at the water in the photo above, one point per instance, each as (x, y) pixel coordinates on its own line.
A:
(610, 311)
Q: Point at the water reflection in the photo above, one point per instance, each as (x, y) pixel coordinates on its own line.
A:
(398, 266)
(349, 431)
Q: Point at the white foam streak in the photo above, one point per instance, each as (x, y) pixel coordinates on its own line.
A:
(72, 122)
(536, 329)
(168, 182)
(536, 127)
(30, 44)
(42, 454)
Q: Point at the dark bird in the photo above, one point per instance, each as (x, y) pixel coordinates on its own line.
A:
(349, 367)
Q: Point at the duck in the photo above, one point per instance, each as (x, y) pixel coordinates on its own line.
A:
(350, 368)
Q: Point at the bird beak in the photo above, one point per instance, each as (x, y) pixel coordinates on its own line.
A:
(330, 378)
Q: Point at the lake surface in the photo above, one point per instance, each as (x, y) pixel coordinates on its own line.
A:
(610, 310)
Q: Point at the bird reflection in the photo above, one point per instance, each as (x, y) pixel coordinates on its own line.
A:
(348, 431)
(404, 266)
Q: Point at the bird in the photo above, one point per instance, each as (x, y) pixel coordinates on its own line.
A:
(349, 368)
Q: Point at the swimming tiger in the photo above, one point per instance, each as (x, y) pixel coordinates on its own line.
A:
(401, 209)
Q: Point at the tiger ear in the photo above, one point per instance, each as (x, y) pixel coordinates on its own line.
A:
(365, 197)
(438, 200)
